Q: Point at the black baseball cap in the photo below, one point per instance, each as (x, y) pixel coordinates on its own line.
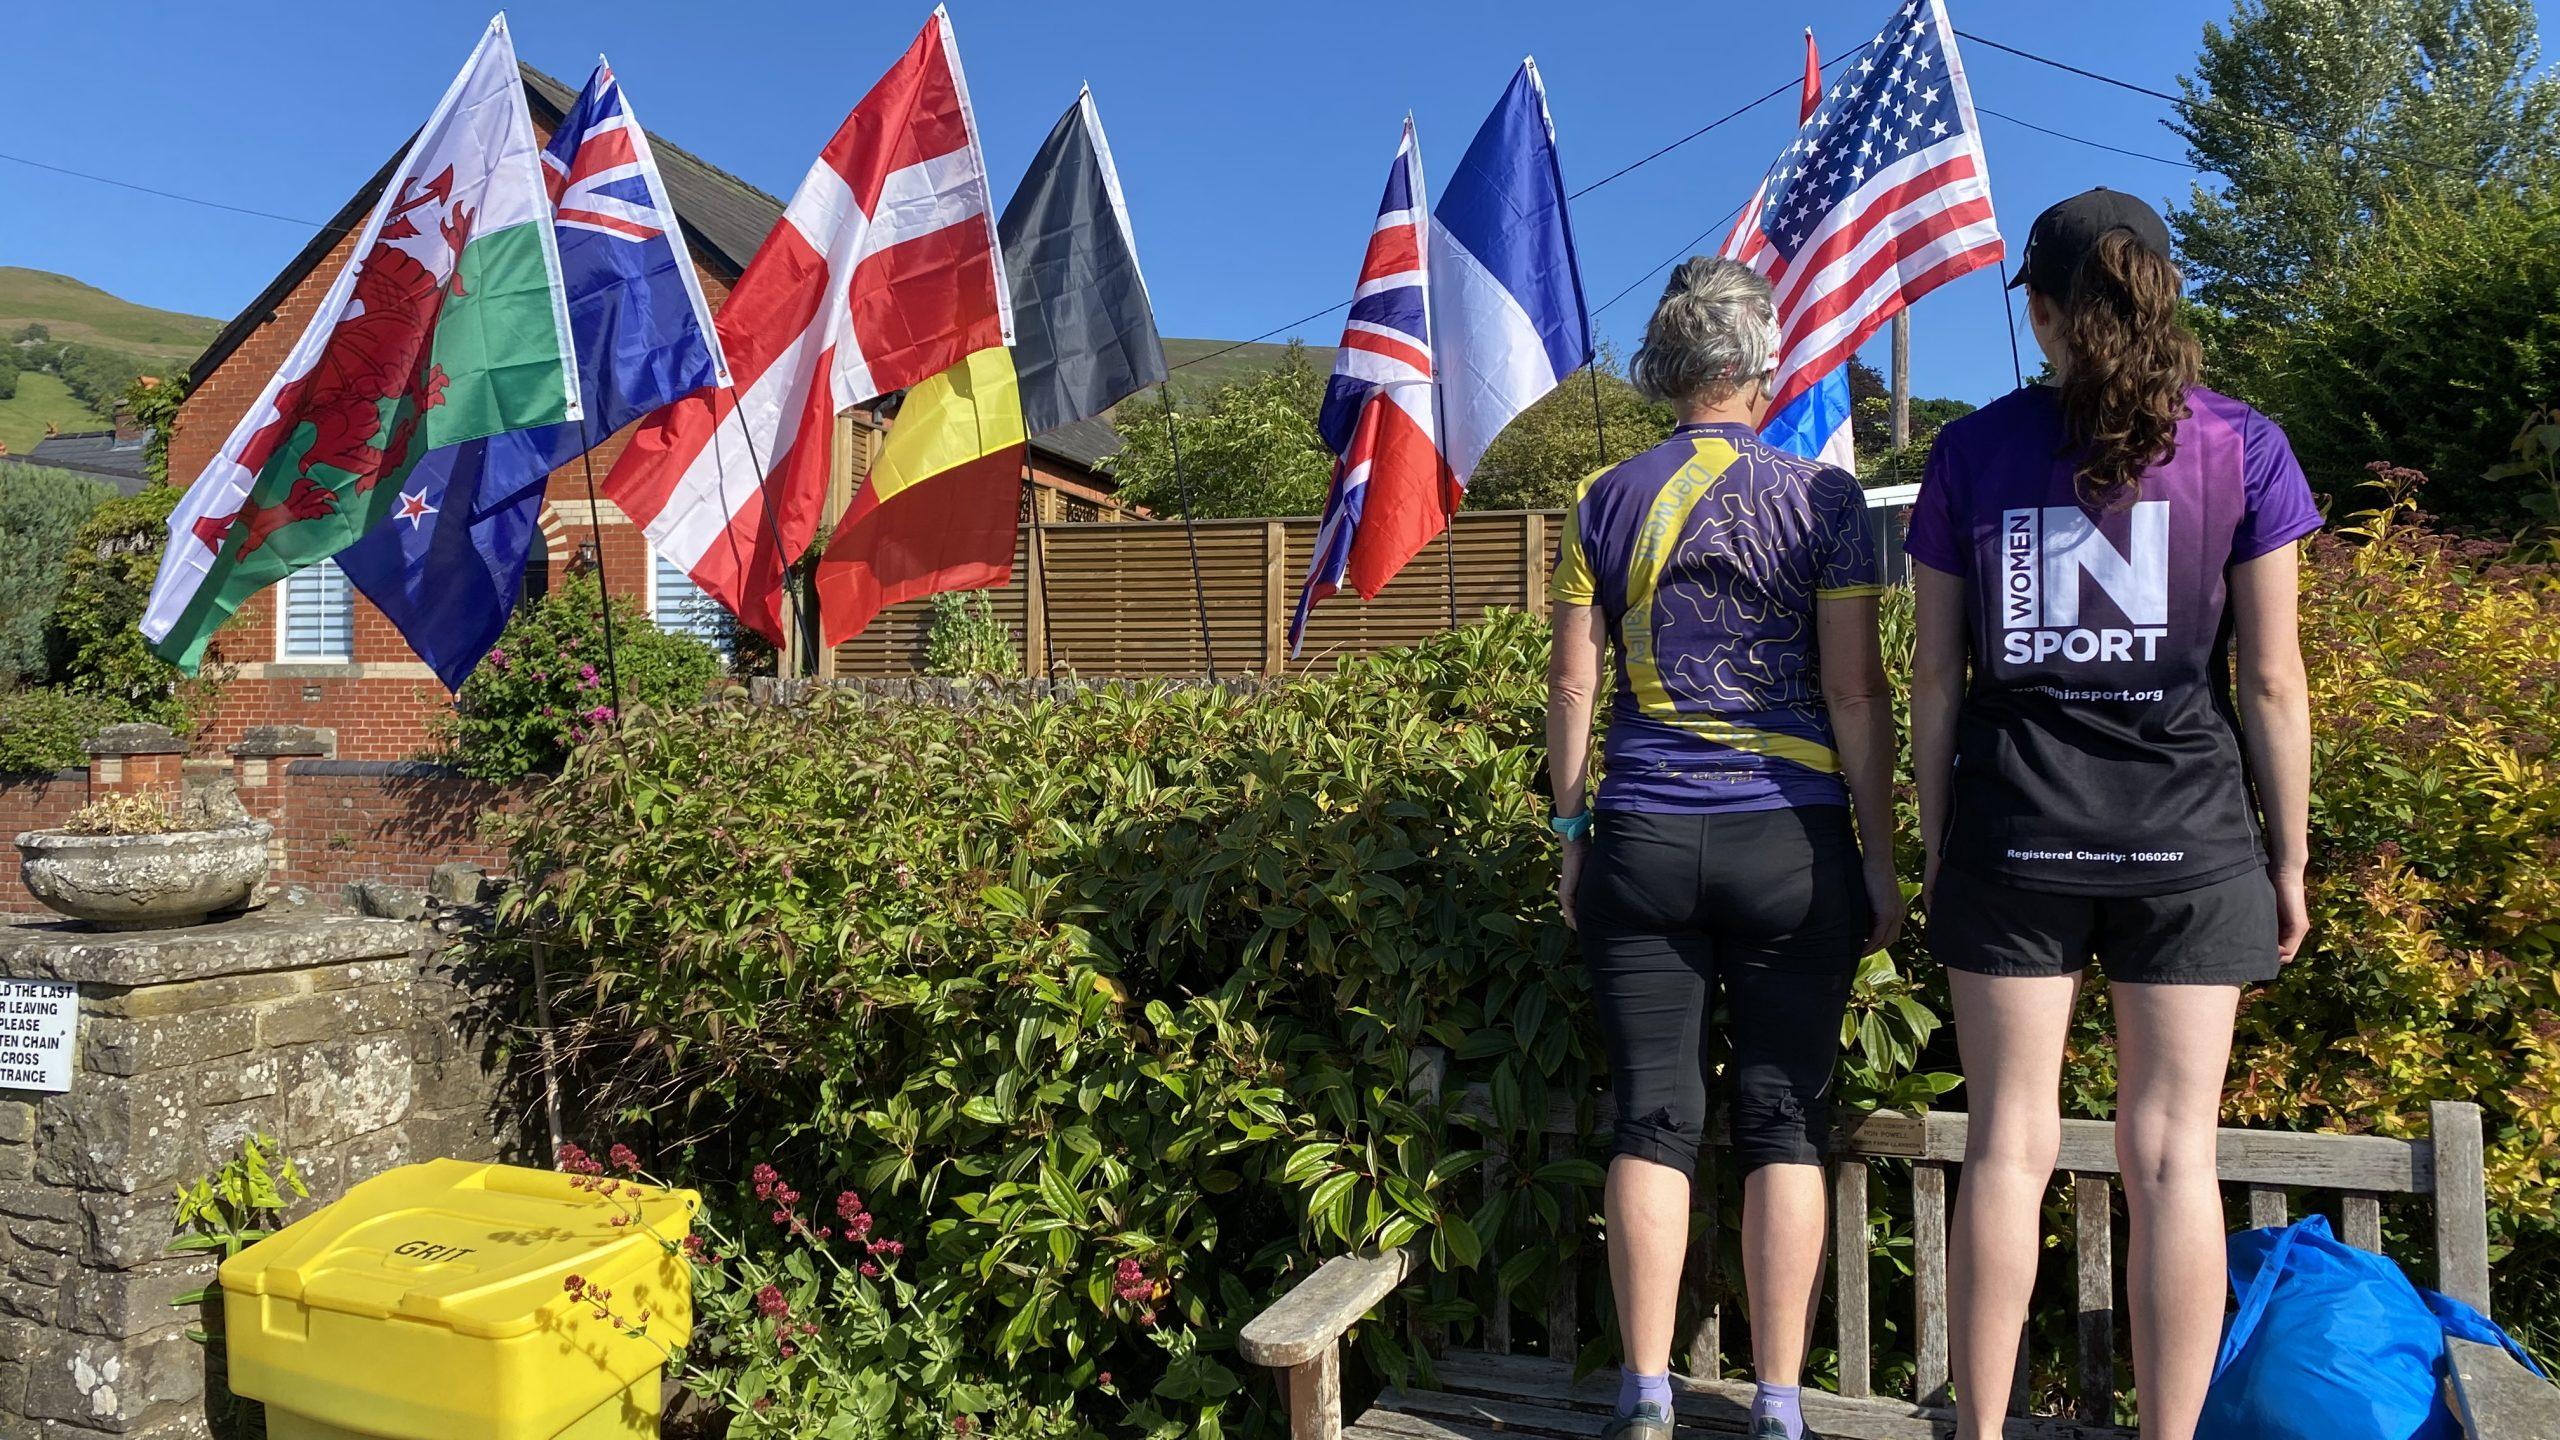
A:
(2068, 231)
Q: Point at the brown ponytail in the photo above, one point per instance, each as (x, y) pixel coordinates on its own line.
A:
(2132, 359)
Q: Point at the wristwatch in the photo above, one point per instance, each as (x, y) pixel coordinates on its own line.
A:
(1571, 827)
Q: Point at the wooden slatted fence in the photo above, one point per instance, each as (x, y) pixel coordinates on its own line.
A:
(1121, 603)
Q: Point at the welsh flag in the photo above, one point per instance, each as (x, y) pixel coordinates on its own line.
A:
(450, 326)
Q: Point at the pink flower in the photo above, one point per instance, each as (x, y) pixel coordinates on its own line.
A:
(765, 1180)
(1130, 1283)
(859, 1227)
(1103, 1379)
(848, 1205)
(771, 1304)
(599, 715)
(870, 1271)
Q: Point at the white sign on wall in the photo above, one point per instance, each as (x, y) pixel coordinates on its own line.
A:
(38, 1019)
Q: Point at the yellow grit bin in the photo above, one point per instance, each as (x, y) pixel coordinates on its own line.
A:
(430, 1304)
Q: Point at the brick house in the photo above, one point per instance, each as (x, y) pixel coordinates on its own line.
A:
(311, 651)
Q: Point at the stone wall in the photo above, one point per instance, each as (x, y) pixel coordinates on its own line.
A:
(357, 1042)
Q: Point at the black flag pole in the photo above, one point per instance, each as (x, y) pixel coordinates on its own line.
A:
(1040, 568)
(1190, 528)
(2017, 371)
(772, 525)
(604, 585)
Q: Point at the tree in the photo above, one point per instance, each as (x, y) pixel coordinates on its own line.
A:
(34, 333)
(2319, 114)
(2426, 345)
(1543, 453)
(40, 510)
(94, 641)
(1249, 447)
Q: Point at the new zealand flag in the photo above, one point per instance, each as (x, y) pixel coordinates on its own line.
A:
(448, 564)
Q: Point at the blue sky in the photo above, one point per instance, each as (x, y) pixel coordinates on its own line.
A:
(1252, 138)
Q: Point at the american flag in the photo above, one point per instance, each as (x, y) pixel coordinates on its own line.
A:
(1390, 482)
(1881, 198)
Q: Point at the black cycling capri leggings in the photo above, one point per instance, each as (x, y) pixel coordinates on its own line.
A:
(1771, 902)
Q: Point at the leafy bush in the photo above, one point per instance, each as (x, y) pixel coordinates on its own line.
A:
(42, 730)
(40, 512)
(1135, 977)
(547, 685)
(2437, 334)
(966, 639)
(1130, 979)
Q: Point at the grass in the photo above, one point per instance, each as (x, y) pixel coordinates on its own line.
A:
(41, 399)
(84, 313)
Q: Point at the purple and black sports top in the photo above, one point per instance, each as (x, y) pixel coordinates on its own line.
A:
(1707, 553)
(2097, 750)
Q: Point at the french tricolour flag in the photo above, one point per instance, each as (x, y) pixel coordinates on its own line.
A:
(1450, 337)
(1507, 314)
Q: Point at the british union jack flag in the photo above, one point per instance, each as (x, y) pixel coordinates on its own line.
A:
(1390, 481)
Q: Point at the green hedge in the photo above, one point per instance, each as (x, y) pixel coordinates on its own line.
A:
(1105, 1005)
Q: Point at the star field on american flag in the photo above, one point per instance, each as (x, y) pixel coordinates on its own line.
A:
(1896, 97)
(1881, 197)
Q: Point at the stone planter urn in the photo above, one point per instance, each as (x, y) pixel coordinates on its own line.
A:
(146, 882)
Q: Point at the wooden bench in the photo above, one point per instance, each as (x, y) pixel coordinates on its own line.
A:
(1493, 1387)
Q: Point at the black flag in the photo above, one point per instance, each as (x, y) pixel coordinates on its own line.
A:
(1084, 336)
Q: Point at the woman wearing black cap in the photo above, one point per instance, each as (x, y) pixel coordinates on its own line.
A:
(2092, 551)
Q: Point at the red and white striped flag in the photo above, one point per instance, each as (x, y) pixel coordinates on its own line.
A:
(1881, 197)
(884, 270)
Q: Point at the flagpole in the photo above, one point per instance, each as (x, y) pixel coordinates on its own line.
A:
(1449, 551)
(1190, 528)
(772, 530)
(1040, 569)
(604, 586)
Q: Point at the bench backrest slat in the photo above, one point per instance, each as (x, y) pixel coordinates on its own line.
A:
(2093, 1217)
(2269, 1166)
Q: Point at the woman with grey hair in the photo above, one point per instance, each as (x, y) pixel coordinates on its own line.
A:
(1749, 720)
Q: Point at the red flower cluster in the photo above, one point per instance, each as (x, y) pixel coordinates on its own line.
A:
(599, 1302)
(1131, 1283)
(771, 1304)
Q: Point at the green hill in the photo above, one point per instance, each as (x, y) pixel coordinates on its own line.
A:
(1241, 363)
(88, 315)
(41, 400)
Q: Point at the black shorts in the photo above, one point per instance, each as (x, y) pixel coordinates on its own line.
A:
(1768, 905)
(2219, 934)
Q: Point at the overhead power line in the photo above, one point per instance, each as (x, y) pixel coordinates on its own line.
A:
(2092, 144)
(163, 194)
(2206, 107)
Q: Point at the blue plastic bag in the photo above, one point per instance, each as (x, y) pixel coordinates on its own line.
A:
(2334, 1343)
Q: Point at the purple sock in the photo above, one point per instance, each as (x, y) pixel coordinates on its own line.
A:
(1635, 1390)
(1781, 1401)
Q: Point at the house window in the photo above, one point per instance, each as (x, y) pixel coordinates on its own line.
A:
(679, 606)
(319, 615)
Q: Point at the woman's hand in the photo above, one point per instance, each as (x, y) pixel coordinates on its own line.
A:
(1884, 901)
(2293, 912)
(1569, 879)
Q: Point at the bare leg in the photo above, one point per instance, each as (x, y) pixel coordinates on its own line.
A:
(1782, 1216)
(1648, 1212)
(2010, 1031)
(2173, 1049)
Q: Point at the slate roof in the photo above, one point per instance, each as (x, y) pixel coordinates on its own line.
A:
(94, 453)
(1086, 443)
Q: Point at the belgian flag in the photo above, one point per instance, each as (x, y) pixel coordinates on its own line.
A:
(938, 510)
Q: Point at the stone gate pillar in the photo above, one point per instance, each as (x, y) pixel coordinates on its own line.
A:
(349, 1039)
